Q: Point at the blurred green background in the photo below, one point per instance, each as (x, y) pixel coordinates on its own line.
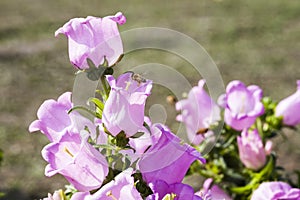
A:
(254, 41)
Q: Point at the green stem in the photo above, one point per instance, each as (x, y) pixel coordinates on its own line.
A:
(82, 108)
(259, 128)
(105, 88)
(256, 179)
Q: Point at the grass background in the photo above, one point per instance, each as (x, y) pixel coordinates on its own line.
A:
(254, 41)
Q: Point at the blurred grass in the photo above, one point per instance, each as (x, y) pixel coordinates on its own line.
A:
(254, 41)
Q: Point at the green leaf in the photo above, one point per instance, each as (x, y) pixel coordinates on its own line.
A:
(94, 74)
(137, 135)
(97, 102)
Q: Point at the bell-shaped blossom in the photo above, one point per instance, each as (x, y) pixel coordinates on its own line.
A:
(139, 145)
(124, 108)
(149, 137)
(81, 196)
(211, 191)
(178, 191)
(121, 188)
(198, 113)
(78, 161)
(251, 149)
(242, 104)
(289, 108)
(54, 120)
(57, 195)
(167, 160)
(275, 191)
(94, 38)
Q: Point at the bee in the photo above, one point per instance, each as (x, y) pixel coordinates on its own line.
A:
(202, 131)
(138, 78)
(171, 99)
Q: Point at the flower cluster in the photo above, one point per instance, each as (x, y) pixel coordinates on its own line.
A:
(119, 154)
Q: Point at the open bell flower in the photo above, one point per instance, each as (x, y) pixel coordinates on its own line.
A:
(77, 160)
(251, 149)
(94, 38)
(54, 119)
(124, 108)
(289, 108)
(242, 104)
(178, 191)
(198, 112)
(167, 160)
(211, 191)
(275, 191)
(57, 195)
(121, 188)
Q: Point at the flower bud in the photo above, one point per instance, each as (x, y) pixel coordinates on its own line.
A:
(251, 149)
(94, 38)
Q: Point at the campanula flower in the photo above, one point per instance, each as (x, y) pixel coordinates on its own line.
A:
(198, 113)
(211, 191)
(178, 191)
(54, 120)
(251, 149)
(57, 195)
(275, 191)
(289, 108)
(167, 160)
(81, 196)
(124, 108)
(78, 161)
(94, 38)
(242, 104)
(121, 188)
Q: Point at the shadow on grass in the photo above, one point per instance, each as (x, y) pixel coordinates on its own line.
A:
(16, 193)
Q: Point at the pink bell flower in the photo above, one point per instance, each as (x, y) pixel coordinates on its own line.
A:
(251, 149)
(211, 191)
(167, 160)
(77, 160)
(94, 38)
(121, 188)
(198, 113)
(275, 191)
(124, 108)
(53, 119)
(178, 191)
(242, 105)
(289, 108)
